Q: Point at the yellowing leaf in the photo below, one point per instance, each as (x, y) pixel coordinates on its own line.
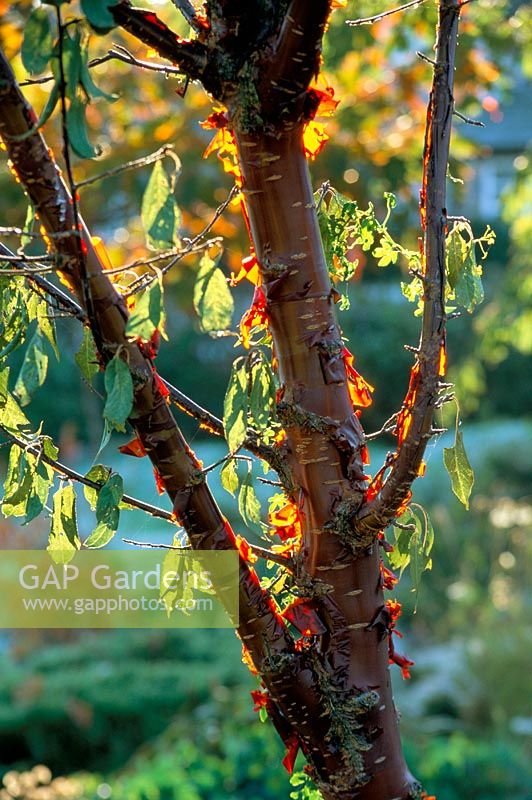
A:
(64, 540)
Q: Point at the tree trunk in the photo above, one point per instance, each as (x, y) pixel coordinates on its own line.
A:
(325, 443)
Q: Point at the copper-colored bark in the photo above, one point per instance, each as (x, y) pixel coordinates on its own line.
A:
(334, 696)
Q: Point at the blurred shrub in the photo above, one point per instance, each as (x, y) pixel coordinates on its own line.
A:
(91, 703)
(456, 768)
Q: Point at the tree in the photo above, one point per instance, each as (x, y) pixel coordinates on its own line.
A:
(322, 652)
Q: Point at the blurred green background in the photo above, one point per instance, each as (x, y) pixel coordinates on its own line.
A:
(167, 715)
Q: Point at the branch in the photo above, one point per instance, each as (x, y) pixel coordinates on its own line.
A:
(189, 12)
(144, 161)
(73, 308)
(190, 56)
(297, 56)
(476, 122)
(377, 17)
(141, 282)
(194, 507)
(414, 427)
(260, 552)
(67, 472)
(207, 420)
(120, 54)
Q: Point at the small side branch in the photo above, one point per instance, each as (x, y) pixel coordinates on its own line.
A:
(468, 120)
(67, 472)
(207, 420)
(415, 422)
(189, 56)
(189, 13)
(145, 161)
(383, 14)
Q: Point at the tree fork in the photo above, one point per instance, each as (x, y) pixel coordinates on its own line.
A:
(296, 707)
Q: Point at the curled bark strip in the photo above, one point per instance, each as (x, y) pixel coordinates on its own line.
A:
(425, 380)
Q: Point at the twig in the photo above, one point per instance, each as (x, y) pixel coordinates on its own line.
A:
(67, 472)
(142, 281)
(386, 427)
(144, 161)
(423, 57)
(47, 78)
(156, 546)
(176, 255)
(269, 555)
(261, 552)
(268, 482)
(122, 54)
(28, 259)
(227, 457)
(469, 121)
(377, 17)
(73, 308)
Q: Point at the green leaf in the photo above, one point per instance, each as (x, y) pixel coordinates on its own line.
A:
(37, 44)
(236, 406)
(248, 503)
(159, 213)
(229, 477)
(33, 370)
(71, 62)
(64, 540)
(98, 474)
(47, 111)
(87, 81)
(119, 388)
(213, 300)
(420, 547)
(77, 129)
(385, 253)
(87, 357)
(149, 314)
(13, 315)
(469, 289)
(262, 396)
(29, 223)
(107, 512)
(459, 469)
(98, 14)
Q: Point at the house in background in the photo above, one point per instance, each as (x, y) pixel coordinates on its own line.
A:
(502, 144)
